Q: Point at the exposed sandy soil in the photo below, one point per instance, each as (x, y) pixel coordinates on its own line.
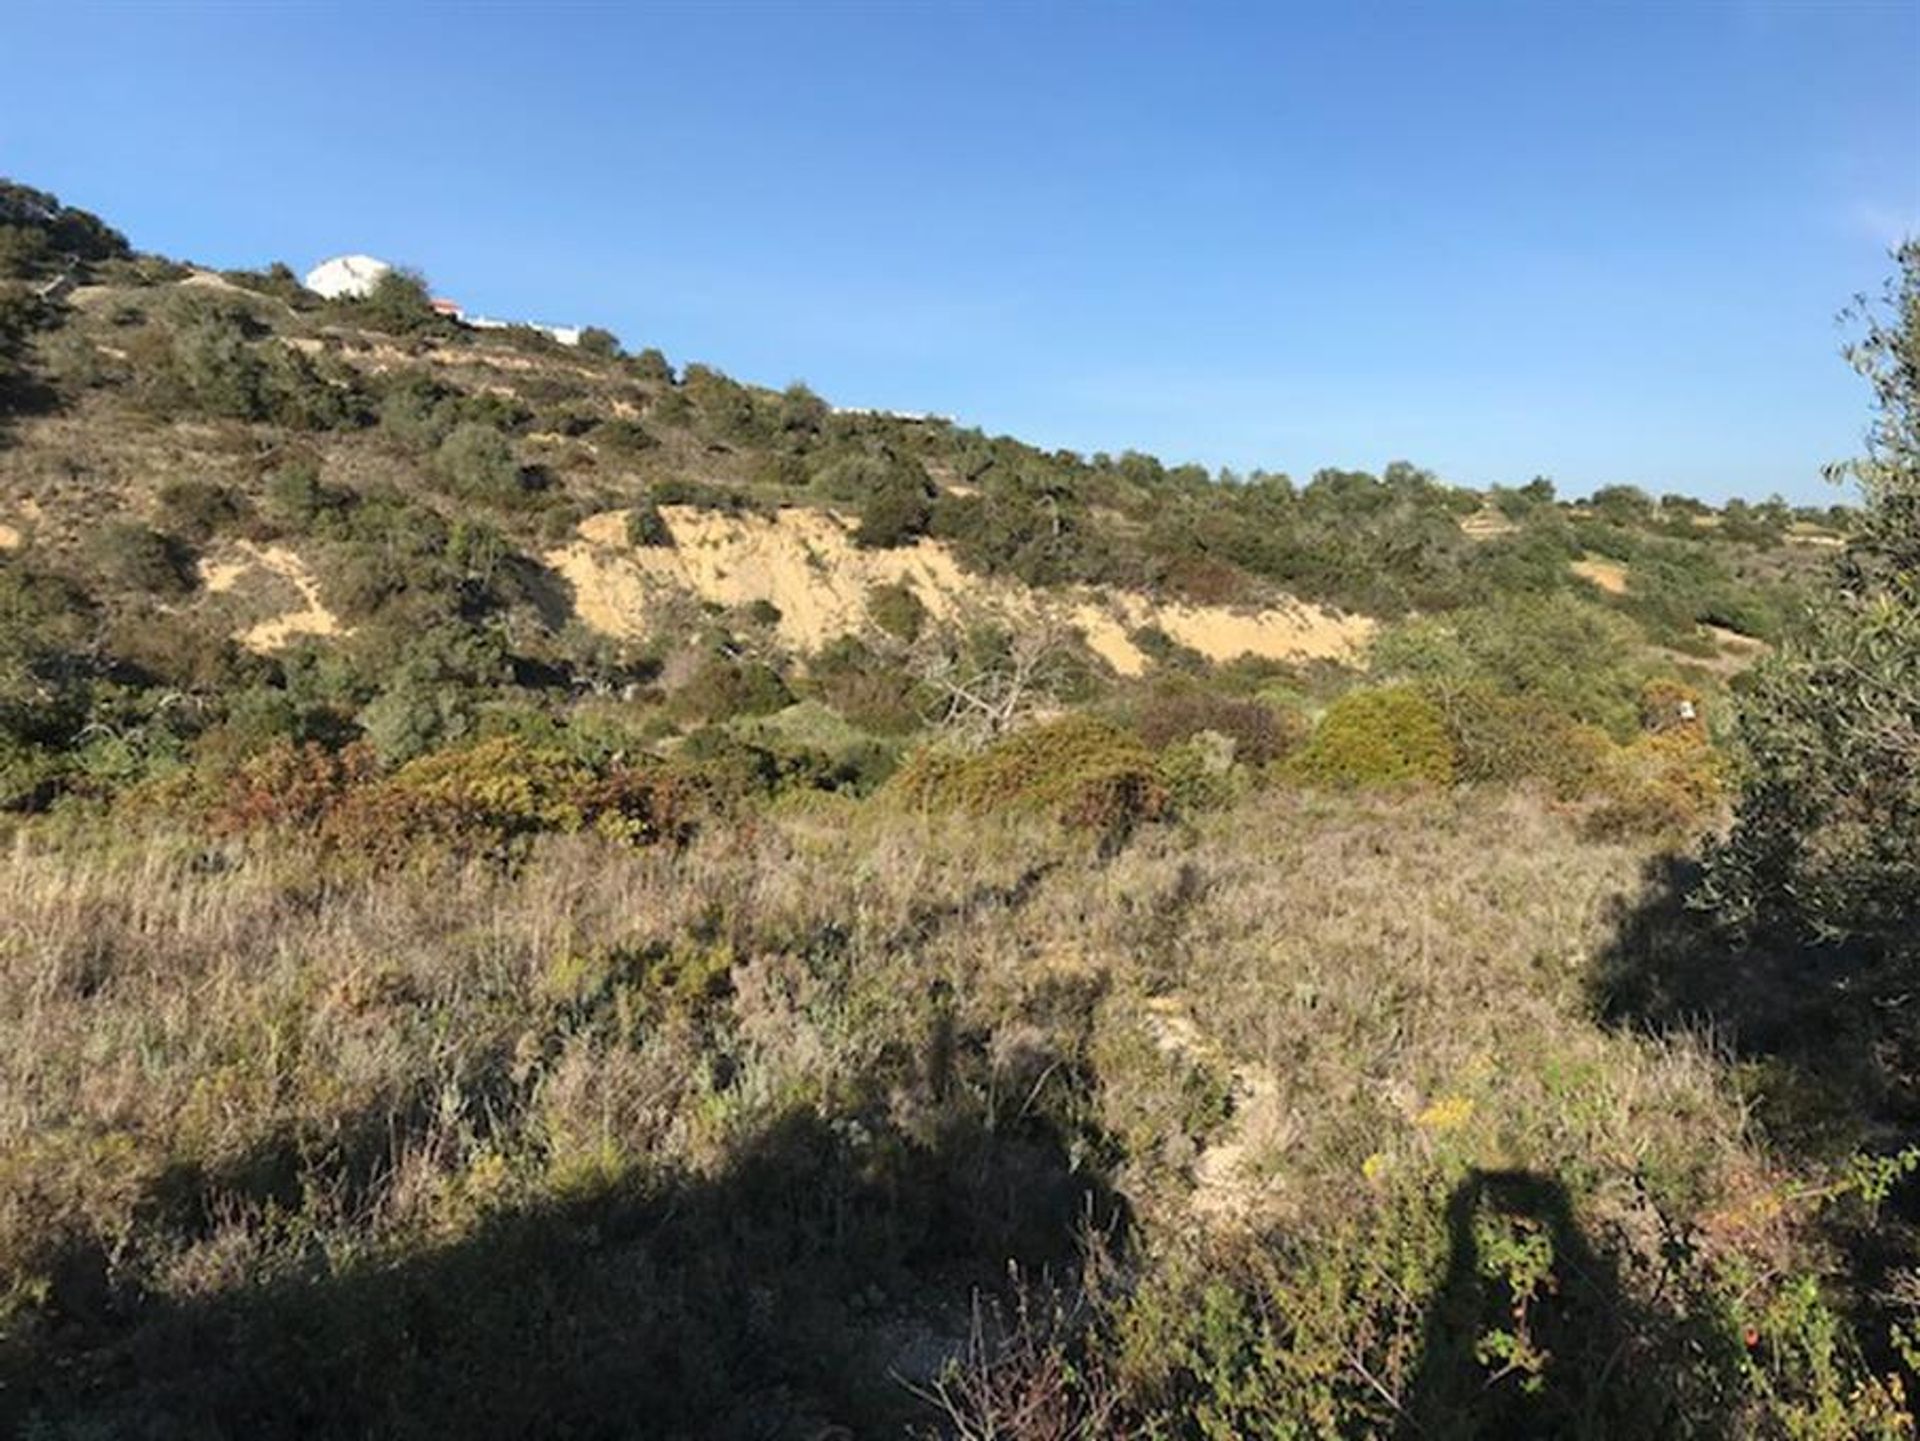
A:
(212, 280)
(10, 539)
(1734, 640)
(1801, 534)
(1487, 524)
(804, 562)
(1609, 575)
(225, 574)
(1226, 1189)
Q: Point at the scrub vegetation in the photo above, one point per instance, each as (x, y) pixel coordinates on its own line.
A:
(426, 1012)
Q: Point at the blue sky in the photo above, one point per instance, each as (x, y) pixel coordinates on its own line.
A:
(1605, 243)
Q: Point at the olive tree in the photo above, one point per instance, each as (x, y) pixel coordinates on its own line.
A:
(1825, 844)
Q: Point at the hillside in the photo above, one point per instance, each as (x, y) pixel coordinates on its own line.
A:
(202, 459)
(550, 893)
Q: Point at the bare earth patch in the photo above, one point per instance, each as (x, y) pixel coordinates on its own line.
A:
(1609, 575)
(1227, 1191)
(10, 539)
(1487, 524)
(804, 563)
(223, 575)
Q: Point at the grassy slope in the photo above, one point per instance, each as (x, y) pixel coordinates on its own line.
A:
(720, 1137)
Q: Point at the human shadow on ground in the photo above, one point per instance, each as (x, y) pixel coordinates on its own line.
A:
(792, 1292)
(1532, 1334)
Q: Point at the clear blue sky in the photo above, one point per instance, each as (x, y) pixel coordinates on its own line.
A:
(1603, 243)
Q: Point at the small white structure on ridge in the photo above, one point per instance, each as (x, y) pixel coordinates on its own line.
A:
(351, 276)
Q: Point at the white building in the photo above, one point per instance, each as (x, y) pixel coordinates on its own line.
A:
(352, 276)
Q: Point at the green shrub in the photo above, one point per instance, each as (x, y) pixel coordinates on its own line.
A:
(65, 229)
(624, 437)
(893, 606)
(599, 342)
(27, 771)
(1579, 657)
(779, 470)
(413, 716)
(1667, 784)
(476, 462)
(296, 499)
(1391, 735)
(1825, 843)
(723, 688)
(1502, 739)
(1082, 771)
(417, 410)
(298, 393)
(399, 304)
(479, 798)
(651, 366)
(869, 690)
(1202, 772)
(896, 512)
(220, 370)
(198, 509)
(647, 527)
(671, 408)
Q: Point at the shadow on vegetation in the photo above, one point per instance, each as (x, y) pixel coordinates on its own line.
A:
(801, 1285)
(23, 397)
(1828, 1042)
(1827, 1025)
(1532, 1335)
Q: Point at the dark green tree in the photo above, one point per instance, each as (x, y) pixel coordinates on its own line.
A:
(1825, 844)
(399, 304)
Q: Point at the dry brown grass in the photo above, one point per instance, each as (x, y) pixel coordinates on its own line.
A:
(384, 1065)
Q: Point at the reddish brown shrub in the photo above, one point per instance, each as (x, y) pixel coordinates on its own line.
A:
(1259, 732)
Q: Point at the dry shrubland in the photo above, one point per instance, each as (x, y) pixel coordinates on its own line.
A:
(477, 957)
(727, 1134)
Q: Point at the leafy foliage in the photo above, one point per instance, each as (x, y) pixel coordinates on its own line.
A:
(1082, 771)
(1826, 836)
(1390, 735)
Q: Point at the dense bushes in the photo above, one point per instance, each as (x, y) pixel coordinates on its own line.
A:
(722, 687)
(1393, 735)
(399, 304)
(1260, 733)
(1083, 772)
(476, 463)
(215, 356)
(59, 230)
(647, 527)
(1500, 739)
(867, 689)
(476, 799)
(1578, 657)
(897, 610)
(198, 509)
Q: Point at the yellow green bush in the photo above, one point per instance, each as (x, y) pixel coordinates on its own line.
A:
(1390, 735)
(1501, 739)
(1666, 783)
(1083, 772)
